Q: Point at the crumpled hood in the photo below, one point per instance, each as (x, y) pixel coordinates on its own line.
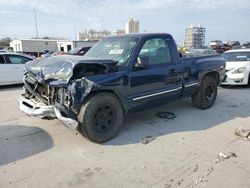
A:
(62, 67)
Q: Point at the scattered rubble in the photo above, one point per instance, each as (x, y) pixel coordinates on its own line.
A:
(232, 106)
(223, 156)
(166, 115)
(179, 182)
(242, 133)
(209, 171)
(147, 139)
(168, 185)
(200, 180)
(196, 168)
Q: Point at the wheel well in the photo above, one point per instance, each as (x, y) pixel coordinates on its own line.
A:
(214, 75)
(110, 92)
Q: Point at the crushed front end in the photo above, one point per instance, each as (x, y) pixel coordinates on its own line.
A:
(54, 90)
(48, 101)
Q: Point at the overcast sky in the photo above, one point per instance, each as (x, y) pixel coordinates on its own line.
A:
(223, 19)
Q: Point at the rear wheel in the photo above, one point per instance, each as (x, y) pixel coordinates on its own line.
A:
(100, 117)
(207, 93)
(248, 79)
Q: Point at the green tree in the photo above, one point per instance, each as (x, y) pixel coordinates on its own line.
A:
(5, 41)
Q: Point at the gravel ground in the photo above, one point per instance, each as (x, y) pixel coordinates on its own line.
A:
(148, 152)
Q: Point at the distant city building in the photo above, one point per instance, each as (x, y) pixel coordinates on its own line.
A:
(37, 47)
(119, 32)
(93, 35)
(195, 37)
(34, 45)
(132, 26)
(66, 46)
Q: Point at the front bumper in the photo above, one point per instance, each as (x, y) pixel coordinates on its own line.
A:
(33, 108)
(68, 122)
(236, 79)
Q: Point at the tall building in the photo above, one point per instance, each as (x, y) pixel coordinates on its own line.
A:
(132, 26)
(119, 32)
(195, 37)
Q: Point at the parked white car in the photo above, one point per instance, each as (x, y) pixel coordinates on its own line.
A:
(237, 67)
(12, 67)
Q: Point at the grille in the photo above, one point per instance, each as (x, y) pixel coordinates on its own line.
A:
(34, 89)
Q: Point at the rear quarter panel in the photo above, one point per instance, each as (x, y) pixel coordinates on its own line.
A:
(194, 70)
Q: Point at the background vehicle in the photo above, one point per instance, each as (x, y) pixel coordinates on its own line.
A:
(79, 51)
(117, 76)
(237, 67)
(219, 47)
(12, 67)
(246, 44)
(47, 54)
(216, 43)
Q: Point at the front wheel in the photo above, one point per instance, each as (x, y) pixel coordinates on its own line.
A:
(100, 117)
(207, 93)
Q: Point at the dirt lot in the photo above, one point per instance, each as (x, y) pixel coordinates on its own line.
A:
(44, 153)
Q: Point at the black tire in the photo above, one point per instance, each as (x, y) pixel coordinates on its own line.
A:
(100, 117)
(207, 93)
(248, 80)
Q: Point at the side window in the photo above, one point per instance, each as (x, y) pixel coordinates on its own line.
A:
(15, 59)
(1, 59)
(156, 51)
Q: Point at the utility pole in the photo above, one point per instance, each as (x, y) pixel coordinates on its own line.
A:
(75, 32)
(35, 22)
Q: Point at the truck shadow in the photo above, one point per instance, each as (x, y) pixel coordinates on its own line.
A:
(13, 87)
(19, 141)
(188, 118)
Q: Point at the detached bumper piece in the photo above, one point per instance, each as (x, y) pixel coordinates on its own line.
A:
(66, 117)
(34, 108)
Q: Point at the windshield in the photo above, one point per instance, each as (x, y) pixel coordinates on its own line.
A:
(117, 49)
(236, 56)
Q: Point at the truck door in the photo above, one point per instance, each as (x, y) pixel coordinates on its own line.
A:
(160, 80)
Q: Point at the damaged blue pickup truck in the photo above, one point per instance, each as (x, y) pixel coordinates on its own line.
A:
(117, 76)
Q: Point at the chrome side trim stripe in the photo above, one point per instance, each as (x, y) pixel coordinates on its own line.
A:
(155, 94)
(193, 84)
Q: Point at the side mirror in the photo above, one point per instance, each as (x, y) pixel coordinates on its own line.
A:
(141, 63)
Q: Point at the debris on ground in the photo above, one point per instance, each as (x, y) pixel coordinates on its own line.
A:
(195, 168)
(209, 171)
(166, 115)
(199, 180)
(168, 185)
(224, 156)
(147, 139)
(179, 182)
(242, 133)
(232, 105)
(202, 179)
